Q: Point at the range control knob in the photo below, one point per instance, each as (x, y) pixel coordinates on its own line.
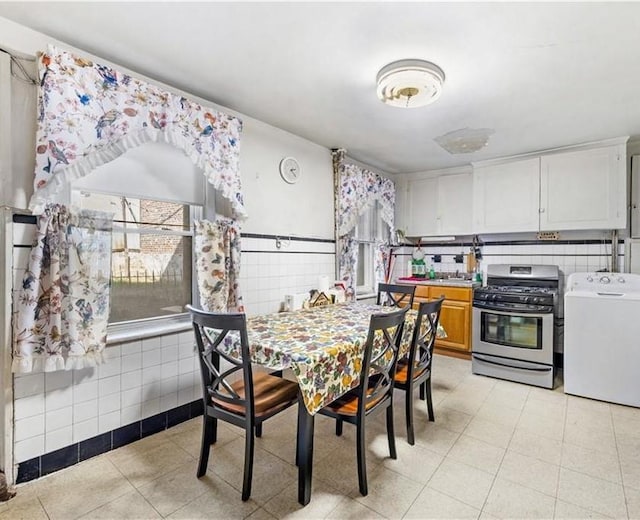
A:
(621, 280)
(605, 279)
(589, 278)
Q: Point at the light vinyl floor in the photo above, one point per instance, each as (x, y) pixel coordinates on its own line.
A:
(496, 450)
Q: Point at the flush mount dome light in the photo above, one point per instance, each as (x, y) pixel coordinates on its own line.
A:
(410, 83)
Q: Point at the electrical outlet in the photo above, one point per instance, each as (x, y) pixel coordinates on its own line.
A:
(548, 235)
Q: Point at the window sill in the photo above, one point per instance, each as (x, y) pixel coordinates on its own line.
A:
(366, 296)
(143, 329)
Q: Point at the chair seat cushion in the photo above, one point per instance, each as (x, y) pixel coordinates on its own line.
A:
(402, 371)
(348, 403)
(270, 393)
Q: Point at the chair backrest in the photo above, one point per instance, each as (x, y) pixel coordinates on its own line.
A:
(395, 295)
(424, 337)
(212, 330)
(380, 357)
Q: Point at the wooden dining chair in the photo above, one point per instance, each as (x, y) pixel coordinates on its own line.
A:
(415, 369)
(395, 295)
(233, 392)
(375, 392)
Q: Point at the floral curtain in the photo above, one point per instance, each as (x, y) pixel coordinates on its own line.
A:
(218, 265)
(62, 309)
(359, 189)
(89, 114)
(347, 263)
(355, 190)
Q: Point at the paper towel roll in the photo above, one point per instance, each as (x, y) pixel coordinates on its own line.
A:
(323, 284)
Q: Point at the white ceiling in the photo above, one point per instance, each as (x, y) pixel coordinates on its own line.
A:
(539, 75)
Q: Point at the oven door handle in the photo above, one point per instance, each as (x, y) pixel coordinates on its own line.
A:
(514, 312)
(531, 369)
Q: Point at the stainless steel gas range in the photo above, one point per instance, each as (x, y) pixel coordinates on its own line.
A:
(513, 323)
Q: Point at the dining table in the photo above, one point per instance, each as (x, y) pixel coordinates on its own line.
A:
(323, 346)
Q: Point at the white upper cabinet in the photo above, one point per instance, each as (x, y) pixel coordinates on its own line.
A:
(439, 205)
(584, 189)
(455, 202)
(422, 207)
(581, 189)
(506, 196)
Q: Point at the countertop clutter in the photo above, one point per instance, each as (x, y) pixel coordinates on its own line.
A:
(454, 282)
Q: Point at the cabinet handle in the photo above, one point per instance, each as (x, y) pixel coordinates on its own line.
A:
(541, 210)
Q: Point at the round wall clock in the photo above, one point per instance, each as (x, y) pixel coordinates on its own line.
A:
(290, 170)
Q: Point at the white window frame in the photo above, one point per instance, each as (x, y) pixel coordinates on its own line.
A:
(156, 325)
(366, 235)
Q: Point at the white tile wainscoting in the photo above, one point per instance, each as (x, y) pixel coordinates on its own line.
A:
(143, 379)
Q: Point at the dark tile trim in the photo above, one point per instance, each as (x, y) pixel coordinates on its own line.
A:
(62, 458)
(282, 237)
(68, 456)
(289, 252)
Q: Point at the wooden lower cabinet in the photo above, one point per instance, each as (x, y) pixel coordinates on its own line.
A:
(455, 317)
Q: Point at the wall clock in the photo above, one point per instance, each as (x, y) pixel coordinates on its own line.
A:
(290, 170)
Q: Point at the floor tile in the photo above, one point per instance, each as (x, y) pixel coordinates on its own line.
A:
(462, 482)
(568, 511)
(324, 499)
(270, 474)
(437, 438)
(477, 453)
(633, 502)
(222, 502)
(433, 504)
(94, 482)
(451, 419)
(131, 506)
(591, 437)
(150, 463)
(499, 414)
(260, 514)
(23, 508)
(188, 436)
(176, 488)
(510, 500)
(591, 493)
(598, 464)
(350, 509)
(527, 471)
(415, 462)
(542, 426)
(530, 444)
(490, 432)
(390, 494)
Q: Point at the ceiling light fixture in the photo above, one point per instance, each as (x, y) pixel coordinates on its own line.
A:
(410, 83)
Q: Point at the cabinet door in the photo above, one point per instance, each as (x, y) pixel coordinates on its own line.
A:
(584, 189)
(455, 201)
(506, 197)
(422, 198)
(455, 318)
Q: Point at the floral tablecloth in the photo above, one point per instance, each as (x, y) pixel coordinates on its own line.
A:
(323, 346)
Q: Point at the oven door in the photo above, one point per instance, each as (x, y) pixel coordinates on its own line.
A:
(513, 335)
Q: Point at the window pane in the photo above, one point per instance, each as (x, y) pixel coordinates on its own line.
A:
(362, 262)
(151, 260)
(152, 281)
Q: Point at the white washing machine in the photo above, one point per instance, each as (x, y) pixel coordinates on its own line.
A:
(602, 337)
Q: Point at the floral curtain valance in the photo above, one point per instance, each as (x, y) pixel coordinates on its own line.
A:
(359, 188)
(89, 114)
(62, 309)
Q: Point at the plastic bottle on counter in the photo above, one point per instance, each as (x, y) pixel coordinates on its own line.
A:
(432, 273)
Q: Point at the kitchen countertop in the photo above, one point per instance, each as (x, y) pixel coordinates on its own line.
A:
(452, 282)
